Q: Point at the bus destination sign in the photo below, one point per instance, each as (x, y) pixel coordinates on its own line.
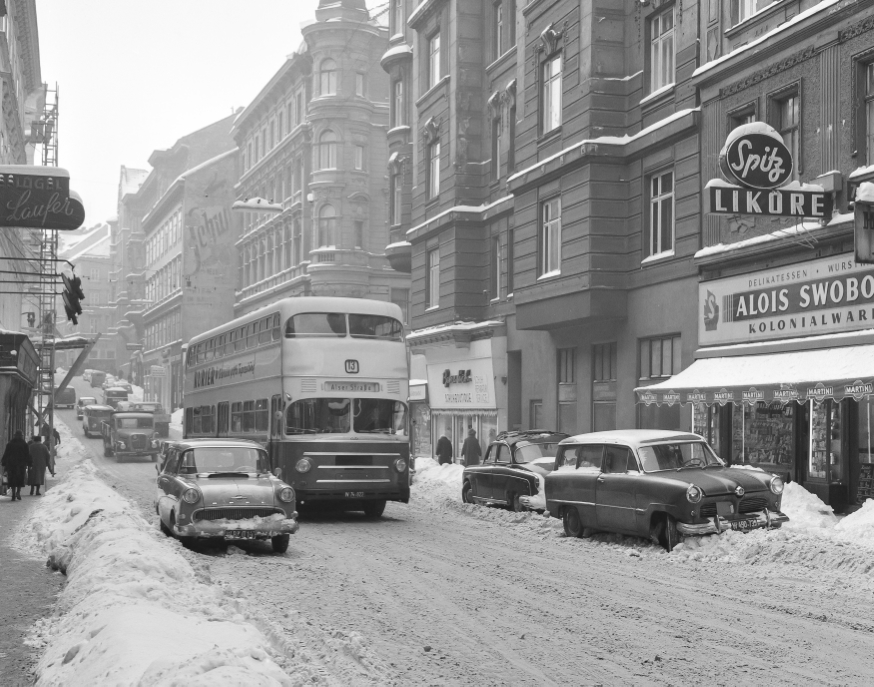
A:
(352, 387)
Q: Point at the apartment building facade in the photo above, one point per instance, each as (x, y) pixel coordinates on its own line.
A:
(313, 143)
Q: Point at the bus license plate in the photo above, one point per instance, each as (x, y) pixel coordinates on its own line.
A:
(744, 525)
(240, 534)
(354, 494)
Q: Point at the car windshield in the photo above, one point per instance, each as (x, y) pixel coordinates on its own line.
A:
(135, 423)
(525, 452)
(224, 459)
(85, 400)
(675, 456)
(379, 416)
(100, 413)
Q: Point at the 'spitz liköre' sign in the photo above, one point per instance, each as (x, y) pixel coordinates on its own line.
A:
(755, 157)
(34, 197)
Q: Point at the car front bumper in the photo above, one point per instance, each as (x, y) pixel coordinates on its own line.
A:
(765, 519)
(209, 530)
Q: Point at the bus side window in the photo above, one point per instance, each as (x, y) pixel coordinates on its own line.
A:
(277, 332)
(252, 334)
(261, 416)
(229, 342)
(240, 340)
(236, 417)
(265, 336)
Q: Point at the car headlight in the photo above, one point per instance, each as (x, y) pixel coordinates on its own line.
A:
(286, 495)
(776, 485)
(303, 465)
(191, 495)
(120, 444)
(154, 443)
(400, 465)
(693, 493)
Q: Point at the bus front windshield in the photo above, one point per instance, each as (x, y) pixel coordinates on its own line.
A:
(340, 415)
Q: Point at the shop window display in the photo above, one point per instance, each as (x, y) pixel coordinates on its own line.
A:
(768, 436)
(819, 440)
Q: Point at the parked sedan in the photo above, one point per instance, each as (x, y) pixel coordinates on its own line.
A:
(223, 489)
(658, 484)
(81, 403)
(509, 472)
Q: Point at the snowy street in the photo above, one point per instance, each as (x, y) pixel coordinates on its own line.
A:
(437, 592)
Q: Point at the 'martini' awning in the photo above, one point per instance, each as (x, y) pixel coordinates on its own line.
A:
(836, 373)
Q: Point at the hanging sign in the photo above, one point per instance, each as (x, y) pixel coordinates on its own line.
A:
(864, 223)
(38, 198)
(755, 157)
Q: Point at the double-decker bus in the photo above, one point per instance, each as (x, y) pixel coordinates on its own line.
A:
(322, 383)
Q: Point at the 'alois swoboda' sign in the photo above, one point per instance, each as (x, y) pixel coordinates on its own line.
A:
(38, 198)
(755, 157)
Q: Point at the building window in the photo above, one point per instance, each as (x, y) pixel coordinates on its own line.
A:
(511, 141)
(741, 10)
(788, 120)
(360, 85)
(869, 112)
(359, 157)
(328, 77)
(496, 150)
(434, 60)
(328, 150)
(660, 357)
(604, 386)
(327, 226)
(662, 49)
(401, 298)
(432, 284)
(510, 266)
(567, 390)
(297, 241)
(434, 170)
(359, 233)
(535, 414)
(551, 94)
(740, 118)
(497, 266)
(398, 16)
(661, 214)
(550, 238)
(395, 208)
(498, 34)
(397, 109)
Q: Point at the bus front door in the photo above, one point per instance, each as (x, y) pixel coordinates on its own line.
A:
(275, 429)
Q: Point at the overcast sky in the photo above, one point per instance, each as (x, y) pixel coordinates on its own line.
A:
(136, 76)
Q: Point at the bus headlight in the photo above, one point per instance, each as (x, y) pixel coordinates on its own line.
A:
(400, 465)
(303, 465)
(191, 495)
(286, 495)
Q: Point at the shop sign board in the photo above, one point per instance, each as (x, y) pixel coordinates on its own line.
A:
(464, 384)
(418, 392)
(755, 157)
(158, 371)
(822, 296)
(34, 197)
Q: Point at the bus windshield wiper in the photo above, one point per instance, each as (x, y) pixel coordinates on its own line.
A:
(228, 474)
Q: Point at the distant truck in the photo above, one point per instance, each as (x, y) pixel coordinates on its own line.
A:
(130, 434)
(113, 395)
(97, 378)
(65, 398)
(162, 418)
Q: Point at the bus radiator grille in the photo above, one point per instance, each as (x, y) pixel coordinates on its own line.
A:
(343, 461)
(233, 513)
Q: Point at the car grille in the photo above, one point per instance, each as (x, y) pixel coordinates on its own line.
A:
(749, 504)
(234, 513)
(138, 442)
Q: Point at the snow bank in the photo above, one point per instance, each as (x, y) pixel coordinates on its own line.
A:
(134, 610)
(805, 510)
(176, 419)
(136, 393)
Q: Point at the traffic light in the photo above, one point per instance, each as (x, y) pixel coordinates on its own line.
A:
(72, 295)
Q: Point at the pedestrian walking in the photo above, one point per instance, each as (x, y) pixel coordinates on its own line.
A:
(53, 432)
(40, 459)
(444, 450)
(470, 450)
(16, 460)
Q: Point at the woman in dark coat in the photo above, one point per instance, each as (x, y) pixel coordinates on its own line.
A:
(444, 450)
(16, 460)
(40, 459)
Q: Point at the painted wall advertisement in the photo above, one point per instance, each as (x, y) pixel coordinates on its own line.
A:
(821, 296)
(464, 384)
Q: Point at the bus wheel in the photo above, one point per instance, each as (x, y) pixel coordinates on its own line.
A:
(374, 509)
(280, 543)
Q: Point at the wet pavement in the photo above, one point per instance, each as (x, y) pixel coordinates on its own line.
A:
(28, 590)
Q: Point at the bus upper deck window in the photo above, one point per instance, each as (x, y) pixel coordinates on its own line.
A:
(375, 327)
(316, 324)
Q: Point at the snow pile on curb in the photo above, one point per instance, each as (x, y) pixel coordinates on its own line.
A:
(805, 510)
(134, 611)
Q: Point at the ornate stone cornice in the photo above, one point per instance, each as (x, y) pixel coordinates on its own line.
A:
(495, 105)
(856, 29)
(550, 37)
(509, 94)
(431, 130)
(768, 71)
(396, 163)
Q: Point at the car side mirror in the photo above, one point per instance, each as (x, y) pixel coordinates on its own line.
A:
(277, 472)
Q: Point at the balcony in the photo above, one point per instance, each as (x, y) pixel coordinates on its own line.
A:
(273, 283)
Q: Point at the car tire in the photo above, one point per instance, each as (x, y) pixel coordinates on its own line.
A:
(279, 543)
(573, 526)
(374, 509)
(467, 494)
(164, 528)
(670, 536)
(514, 503)
(154, 457)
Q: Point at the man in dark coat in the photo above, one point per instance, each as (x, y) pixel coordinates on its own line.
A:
(53, 432)
(16, 460)
(470, 450)
(40, 459)
(444, 450)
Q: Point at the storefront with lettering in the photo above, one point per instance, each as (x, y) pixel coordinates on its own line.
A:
(784, 376)
(466, 381)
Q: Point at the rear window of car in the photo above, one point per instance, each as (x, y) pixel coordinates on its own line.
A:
(525, 452)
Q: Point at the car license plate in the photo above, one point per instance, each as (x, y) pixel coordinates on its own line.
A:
(240, 534)
(744, 525)
(354, 494)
